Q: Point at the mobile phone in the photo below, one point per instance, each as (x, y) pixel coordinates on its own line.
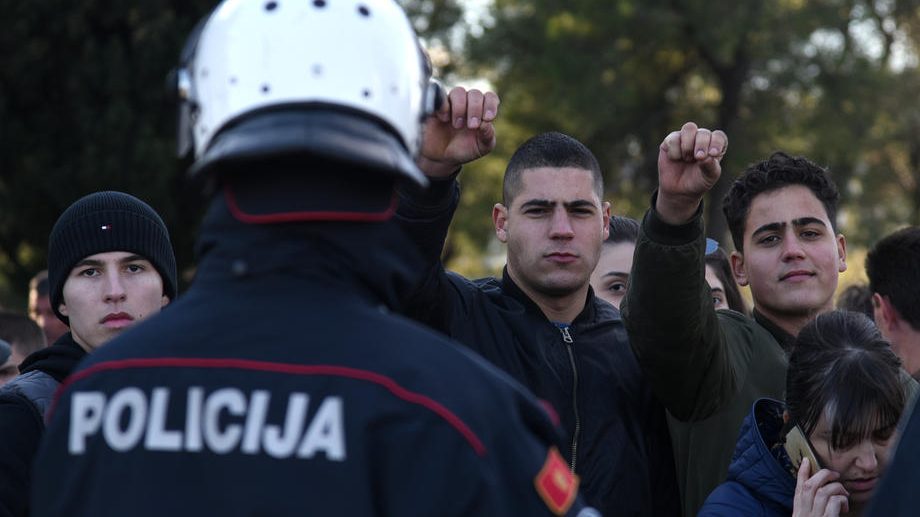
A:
(798, 447)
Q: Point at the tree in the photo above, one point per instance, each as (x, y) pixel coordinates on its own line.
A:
(814, 78)
(84, 106)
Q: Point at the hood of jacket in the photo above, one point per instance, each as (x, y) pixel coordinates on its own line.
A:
(57, 360)
(755, 464)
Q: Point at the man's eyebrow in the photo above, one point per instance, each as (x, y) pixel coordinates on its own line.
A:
(717, 289)
(131, 258)
(769, 227)
(578, 203)
(804, 221)
(88, 262)
(542, 203)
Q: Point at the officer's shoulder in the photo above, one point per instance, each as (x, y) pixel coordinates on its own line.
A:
(446, 359)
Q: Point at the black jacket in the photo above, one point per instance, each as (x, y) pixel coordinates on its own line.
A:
(22, 404)
(281, 384)
(618, 437)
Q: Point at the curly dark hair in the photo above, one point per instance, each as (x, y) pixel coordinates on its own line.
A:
(776, 172)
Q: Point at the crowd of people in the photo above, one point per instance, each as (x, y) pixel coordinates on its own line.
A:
(614, 368)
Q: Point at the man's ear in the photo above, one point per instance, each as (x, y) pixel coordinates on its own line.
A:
(605, 209)
(500, 220)
(737, 261)
(841, 252)
(886, 316)
(165, 301)
(62, 308)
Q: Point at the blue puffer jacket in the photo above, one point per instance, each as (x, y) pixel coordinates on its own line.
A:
(758, 484)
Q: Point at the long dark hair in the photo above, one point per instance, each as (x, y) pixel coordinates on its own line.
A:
(840, 362)
(718, 259)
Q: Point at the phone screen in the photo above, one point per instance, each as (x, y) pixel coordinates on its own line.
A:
(798, 448)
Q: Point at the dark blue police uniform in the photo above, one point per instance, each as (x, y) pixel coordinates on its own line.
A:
(281, 384)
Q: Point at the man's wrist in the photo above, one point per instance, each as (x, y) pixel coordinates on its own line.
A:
(676, 211)
(436, 169)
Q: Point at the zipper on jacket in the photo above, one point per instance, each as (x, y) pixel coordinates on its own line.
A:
(569, 342)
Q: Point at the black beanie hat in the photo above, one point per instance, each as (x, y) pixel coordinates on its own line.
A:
(102, 222)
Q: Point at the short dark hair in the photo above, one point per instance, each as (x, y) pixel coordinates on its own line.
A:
(622, 229)
(841, 361)
(776, 172)
(893, 268)
(857, 298)
(549, 150)
(21, 332)
(718, 259)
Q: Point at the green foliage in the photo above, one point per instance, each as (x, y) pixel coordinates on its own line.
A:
(84, 107)
(817, 78)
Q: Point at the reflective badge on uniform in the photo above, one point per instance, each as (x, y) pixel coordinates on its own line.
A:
(556, 484)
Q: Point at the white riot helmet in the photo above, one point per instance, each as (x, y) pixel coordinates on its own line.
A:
(341, 79)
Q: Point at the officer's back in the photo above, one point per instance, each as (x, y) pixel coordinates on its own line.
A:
(281, 384)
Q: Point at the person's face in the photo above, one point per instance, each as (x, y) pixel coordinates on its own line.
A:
(108, 292)
(554, 229)
(717, 287)
(41, 313)
(861, 465)
(791, 256)
(10, 368)
(611, 276)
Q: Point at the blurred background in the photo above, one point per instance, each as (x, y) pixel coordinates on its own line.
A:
(85, 105)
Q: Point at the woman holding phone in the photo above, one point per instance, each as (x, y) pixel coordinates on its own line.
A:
(844, 396)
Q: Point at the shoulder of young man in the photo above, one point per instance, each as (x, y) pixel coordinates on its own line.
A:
(33, 390)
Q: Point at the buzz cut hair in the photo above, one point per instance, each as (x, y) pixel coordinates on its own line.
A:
(554, 150)
(21, 332)
(893, 268)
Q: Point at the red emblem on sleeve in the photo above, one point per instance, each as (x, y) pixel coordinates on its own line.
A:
(556, 484)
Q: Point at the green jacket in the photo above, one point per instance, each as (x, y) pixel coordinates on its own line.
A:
(706, 366)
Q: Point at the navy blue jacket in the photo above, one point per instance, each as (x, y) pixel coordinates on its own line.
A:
(618, 436)
(281, 384)
(758, 484)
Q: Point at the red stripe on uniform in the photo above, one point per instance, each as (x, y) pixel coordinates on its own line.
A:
(308, 215)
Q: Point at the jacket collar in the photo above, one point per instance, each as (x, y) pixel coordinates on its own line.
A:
(757, 460)
(782, 337)
(376, 259)
(57, 360)
(511, 289)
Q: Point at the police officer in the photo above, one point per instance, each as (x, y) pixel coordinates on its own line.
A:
(281, 383)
